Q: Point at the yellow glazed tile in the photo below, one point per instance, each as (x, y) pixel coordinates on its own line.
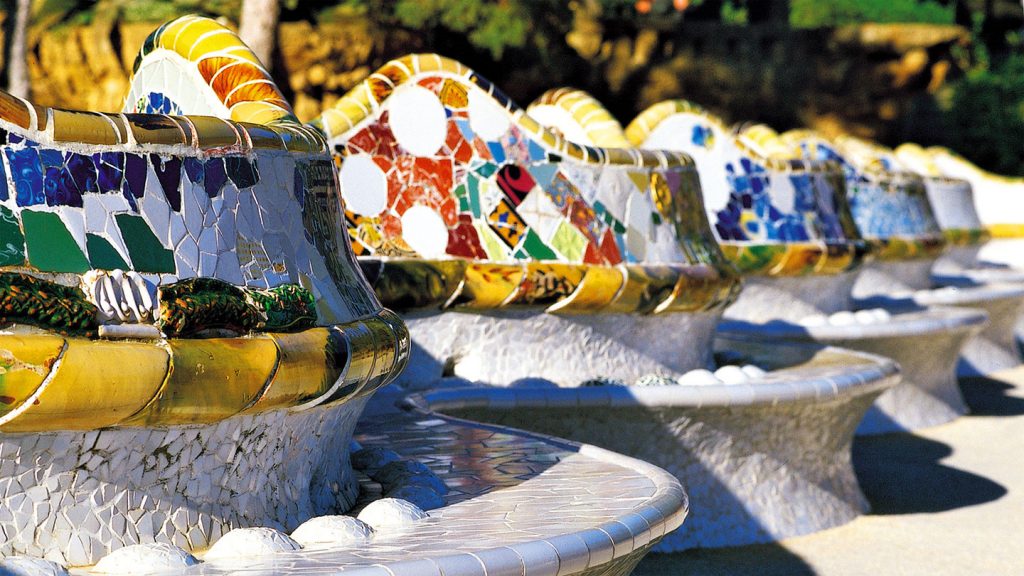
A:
(211, 379)
(26, 361)
(308, 367)
(84, 127)
(489, 285)
(598, 289)
(129, 374)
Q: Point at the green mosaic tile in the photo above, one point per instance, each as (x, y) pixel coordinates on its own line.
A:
(12, 241)
(51, 248)
(463, 197)
(536, 248)
(486, 169)
(144, 249)
(473, 193)
(102, 254)
(569, 241)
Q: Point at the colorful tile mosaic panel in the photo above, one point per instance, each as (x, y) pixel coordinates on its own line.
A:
(435, 163)
(227, 230)
(772, 215)
(887, 204)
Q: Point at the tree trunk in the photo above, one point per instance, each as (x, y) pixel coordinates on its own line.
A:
(17, 50)
(258, 27)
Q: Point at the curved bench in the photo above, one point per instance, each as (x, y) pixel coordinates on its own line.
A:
(187, 341)
(512, 252)
(994, 199)
(765, 460)
(957, 205)
(762, 187)
(907, 285)
(516, 503)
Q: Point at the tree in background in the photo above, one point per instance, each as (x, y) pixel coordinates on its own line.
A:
(258, 27)
(16, 49)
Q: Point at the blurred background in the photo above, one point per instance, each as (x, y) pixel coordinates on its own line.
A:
(947, 72)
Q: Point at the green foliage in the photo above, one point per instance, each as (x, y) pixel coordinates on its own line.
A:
(985, 119)
(818, 13)
(490, 25)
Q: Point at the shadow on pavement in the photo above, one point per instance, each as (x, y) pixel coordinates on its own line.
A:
(990, 397)
(902, 474)
(760, 559)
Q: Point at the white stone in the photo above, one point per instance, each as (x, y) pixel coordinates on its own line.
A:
(754, 372)
(843, 318)
(145, 559)
(332, 530)
(865, 317)
(417, 120)
(881, 315)
(242, 542)
(425, 232)
(364, 186)
(390, 513)
(699, 377)
(26, 566)
(731, 375)
(814, 320)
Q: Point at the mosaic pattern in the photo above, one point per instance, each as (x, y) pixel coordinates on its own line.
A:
(771, 215)
(76, 496)
(997, 198)
(145, 225)
(889, 205)
(436, 164)
(769, 459)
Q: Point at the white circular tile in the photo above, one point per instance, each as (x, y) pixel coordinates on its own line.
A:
(425, 232)
(417, 120)
(487, 119)
(364, 186)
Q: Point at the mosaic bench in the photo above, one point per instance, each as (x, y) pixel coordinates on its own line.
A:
(956, 207)
(996, 200)
(187, 342)
(909, 285)
(762, 461)
(794, 211)
(512, 252)
(516, 503)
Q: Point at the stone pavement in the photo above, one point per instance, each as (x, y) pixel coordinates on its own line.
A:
(945, 500)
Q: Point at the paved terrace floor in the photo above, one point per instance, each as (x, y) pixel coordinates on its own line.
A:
(946, 500)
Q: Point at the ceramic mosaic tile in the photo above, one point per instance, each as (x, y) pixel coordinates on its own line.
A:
(435, 163)
(112, 236)
(887, 205)
(770, 215)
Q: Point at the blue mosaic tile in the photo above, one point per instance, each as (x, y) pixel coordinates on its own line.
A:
(168, 172)
(27, 175)
(242, 172)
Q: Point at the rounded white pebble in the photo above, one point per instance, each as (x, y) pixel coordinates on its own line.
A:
(391, 512)
(813, 320)
(864, 317)
(699, 377)
(332, 530)
(843, 318)
(754, 372)
(145, 559)
(27, 566)
(881, 315)
(731, 375)
(251, 542)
